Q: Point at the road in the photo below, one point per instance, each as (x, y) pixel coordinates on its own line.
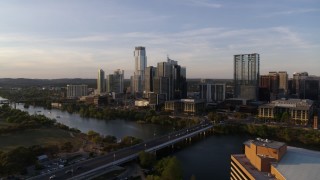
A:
(112, 157)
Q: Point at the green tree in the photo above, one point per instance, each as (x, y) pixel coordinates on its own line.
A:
(146, 159)
(172, 171)
(285, 117)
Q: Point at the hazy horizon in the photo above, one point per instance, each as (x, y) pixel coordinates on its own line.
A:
(73, 39)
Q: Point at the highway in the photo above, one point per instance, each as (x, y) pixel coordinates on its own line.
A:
(101, 163)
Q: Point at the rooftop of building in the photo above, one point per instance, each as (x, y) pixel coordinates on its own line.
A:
(266, 143)
(299, 163)
(244, 161)
(291, 103)
(140, 48)
(186, 101)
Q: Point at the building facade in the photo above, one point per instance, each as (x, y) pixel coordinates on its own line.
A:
(101, 82)
(299, 111)
(256, 162)
(246, 75)
(297, 76)
(140, 58)
(115, 81)
(171, 80)
(267, 160)
(76, 91)
(187, 106)
(149, 75)
(309, 88)
(270, 84)
(213, 92)
(283, 82)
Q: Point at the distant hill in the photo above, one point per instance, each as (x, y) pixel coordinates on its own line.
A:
(22, 82)
(92, 83)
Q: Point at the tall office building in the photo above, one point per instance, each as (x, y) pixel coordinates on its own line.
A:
(283, 82)
(170, 80)
(140, 65)
(269, 87)
(296, 82)
(75, 91)
(246, 75)
(213, 92)
(309, 87)
(101, 82)
(149, 75)
(115, 81)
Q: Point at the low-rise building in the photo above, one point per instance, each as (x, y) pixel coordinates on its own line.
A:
(300, 111)
(266, 159)
(188, 106)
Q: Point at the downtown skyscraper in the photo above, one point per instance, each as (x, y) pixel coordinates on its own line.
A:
(246, 75)
(140, 66)
(101, 82)
(115, 82)
(169, 79)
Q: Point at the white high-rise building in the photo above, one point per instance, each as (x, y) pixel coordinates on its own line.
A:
(140, 66)
(75, 91)
(101, 82)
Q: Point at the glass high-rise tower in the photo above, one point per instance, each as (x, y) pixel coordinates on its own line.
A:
(246, 75)
(140, 66)
(101, 82)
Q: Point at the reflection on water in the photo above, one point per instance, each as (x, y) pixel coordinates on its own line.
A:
(118, 128)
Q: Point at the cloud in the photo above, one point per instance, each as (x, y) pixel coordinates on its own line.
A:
(204, 3)
(209, 49)
(290, 12)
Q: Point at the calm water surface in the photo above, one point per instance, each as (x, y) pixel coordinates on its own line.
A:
(206, 159)
(118, 128)
(210, 158)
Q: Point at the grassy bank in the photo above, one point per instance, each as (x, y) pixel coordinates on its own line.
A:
(42, 136)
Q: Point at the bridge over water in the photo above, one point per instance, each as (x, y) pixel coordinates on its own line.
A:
(91, 167)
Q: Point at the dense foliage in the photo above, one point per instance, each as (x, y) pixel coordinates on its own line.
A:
(142, 116)
(167, 168)
(147, 160)
(109, 143)
(307, 138)
(20, 120)
(16, 160)
(32, 95)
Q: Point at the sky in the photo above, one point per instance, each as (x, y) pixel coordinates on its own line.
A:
(74, 38)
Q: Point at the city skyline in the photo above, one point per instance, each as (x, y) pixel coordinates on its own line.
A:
(72, 39)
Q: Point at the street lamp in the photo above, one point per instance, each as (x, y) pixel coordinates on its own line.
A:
(114, 158)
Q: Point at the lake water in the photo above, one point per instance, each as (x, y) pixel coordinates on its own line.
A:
(118, 128)
(206, 159)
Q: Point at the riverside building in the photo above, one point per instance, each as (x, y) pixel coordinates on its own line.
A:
(140, 58)
(268, 160)
(101, 82)
(75, 91)
(300, 111)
